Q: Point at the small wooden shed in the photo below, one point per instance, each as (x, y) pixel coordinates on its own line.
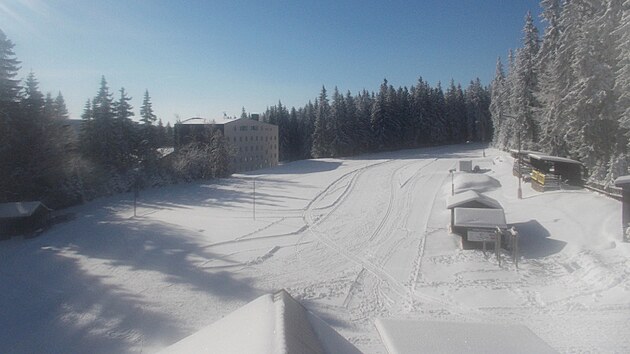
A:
(549, 172)
(22, 217)
(523, 156)
(477, 225)
(623, 182)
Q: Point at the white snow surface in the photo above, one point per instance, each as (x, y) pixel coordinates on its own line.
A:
(408, 336)
(352, 239)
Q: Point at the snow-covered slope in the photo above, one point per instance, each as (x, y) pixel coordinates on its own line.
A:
(352, 239)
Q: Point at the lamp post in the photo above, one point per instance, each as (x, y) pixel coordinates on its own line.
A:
(519, 191)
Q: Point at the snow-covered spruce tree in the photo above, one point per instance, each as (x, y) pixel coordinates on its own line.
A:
(525, 104)
(497, 102)
(421, 111)
(150, 136)
(60, 111)
(100, 131)
(378, 125)
(38, 171)
(478, 123)
(552, 123)
(592, 129)
(321, 133)
(436, 115)
(452, 115)
(622, 84)
(124, 139)
(340, 144)
(362, 131)
(619, 164)
(351, 125)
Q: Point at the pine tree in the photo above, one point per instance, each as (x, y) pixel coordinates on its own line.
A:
(100, 146)
(321, 133)
(379, 119)
(9, 66)
(150, 137)
(437, 107)
(497, 105)
(59, 107)
(124, 142)
(526, 86)
(147, 117)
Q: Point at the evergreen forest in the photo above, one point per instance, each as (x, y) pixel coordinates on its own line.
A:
(565, 92)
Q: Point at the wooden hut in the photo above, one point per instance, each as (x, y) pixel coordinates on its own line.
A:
(623, 182)
(552, 172)
(477, 225)
(22, 218)
(470, 199)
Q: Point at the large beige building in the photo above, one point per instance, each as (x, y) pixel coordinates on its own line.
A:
(252, 144)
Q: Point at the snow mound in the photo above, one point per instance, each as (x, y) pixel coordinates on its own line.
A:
(408, 336)
(273, 323)
(475, 181)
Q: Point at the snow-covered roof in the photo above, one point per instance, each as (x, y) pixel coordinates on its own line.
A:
(18, 209)
(408, 336)
(554, 158)
(466, 197)
(525, 152)
(622, 181)
(219, 121)
(479, 217)
(273, 323)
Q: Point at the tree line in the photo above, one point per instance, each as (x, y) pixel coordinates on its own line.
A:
(46, 156)
(568, 93)
(392, 118)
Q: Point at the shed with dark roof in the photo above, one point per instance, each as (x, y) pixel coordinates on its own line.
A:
(623, 182)
(22, 217)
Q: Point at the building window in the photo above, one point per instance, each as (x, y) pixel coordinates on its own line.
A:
(243, 128)
(245, 138)
(240, 138)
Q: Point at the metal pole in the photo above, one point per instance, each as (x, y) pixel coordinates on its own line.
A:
(497, 245)
(519, 192)
(254, 209)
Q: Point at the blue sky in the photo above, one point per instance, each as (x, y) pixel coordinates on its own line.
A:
(203, 58)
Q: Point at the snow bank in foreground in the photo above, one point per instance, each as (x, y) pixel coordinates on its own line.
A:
(408, 336)
(270, 324)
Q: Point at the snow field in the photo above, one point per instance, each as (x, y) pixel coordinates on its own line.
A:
(353, 239)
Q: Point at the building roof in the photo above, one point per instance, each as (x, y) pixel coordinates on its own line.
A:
(221, 121)
(524, 152)
(622, 181)
(479, 217)
(461, 199)
(19, 209)
(554, 159)
(273, 323)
